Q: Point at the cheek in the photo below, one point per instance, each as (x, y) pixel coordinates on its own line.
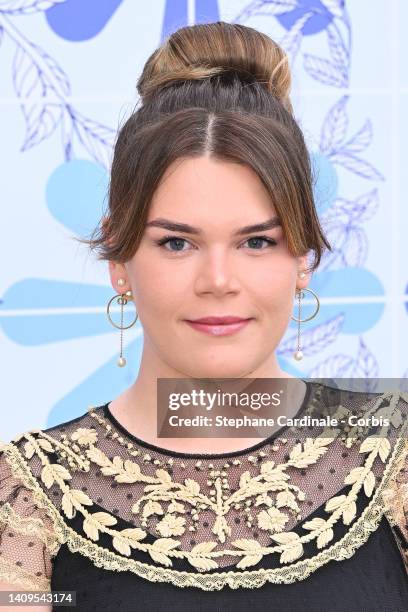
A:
(274, 281)
(156, 292)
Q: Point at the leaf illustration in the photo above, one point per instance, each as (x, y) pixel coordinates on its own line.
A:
(361, 139)
(41, 86)
(25, 7)
(324, 71)
(334, 6)
(260, 7)
(357, 165)
(96, 138)
(338, 51)
(334, 127)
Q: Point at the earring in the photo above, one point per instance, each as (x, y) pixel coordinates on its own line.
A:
(122, 299)
(298, 355)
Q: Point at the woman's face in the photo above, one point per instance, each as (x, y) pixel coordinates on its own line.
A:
(214, 271)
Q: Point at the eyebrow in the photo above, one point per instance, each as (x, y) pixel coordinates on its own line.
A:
(189, 229)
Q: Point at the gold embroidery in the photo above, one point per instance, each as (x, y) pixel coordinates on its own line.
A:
(356, 536)
(203, 556)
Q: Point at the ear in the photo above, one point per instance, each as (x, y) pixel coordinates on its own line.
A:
(116, 270)
(302, 282)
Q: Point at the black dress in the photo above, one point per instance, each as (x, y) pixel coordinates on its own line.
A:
(298, 521)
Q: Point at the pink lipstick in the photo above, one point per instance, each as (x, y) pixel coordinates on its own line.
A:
(219, 325)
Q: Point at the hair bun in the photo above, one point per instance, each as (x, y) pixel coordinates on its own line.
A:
(204, 50)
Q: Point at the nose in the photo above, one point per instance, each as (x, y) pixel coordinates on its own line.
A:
(217, 273)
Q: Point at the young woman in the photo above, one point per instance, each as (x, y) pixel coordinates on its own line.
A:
(211, 214)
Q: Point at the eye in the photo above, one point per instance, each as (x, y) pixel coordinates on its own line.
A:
(171, 239)
(178, 241)
(260, 239)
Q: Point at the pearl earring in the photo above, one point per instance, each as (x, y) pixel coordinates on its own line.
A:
(298, 354)
(122, 299)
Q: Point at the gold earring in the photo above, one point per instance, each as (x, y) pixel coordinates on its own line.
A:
(122, 299)
(298, 354)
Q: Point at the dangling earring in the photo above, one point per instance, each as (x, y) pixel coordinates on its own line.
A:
(122, 299)
(298, 355)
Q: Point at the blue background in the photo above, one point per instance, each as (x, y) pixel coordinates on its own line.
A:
(68, 71)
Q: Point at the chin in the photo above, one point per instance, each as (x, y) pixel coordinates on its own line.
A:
(218, 370)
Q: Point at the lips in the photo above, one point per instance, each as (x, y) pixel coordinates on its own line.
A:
(226, 320)
(219, 326)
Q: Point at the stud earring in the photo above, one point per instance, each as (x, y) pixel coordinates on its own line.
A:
(298, 354)
(122, 299)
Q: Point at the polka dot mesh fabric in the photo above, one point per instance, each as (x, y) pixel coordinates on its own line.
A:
(27, 538)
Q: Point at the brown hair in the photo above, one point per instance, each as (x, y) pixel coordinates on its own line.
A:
(222, 90)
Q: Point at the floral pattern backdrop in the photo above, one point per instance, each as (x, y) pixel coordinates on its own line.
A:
(68, 73)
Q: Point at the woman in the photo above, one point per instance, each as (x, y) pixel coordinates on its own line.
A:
(211, 214)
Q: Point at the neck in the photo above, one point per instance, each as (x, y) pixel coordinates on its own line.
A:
(136, 407)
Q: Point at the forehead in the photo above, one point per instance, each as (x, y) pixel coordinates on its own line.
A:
(204, 189)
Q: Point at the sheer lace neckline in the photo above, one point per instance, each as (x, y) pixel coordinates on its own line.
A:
(165, 451)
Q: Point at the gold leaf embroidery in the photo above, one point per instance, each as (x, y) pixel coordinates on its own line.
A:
(343, 549)
(324, 537)
(335, 502)
(160, 547)
(96, 521)
(128, 538)
(369, 483)
(85, 436)
(349, 512)
(253, 550)
(291, 545)
(51, 472)
(290, 550)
